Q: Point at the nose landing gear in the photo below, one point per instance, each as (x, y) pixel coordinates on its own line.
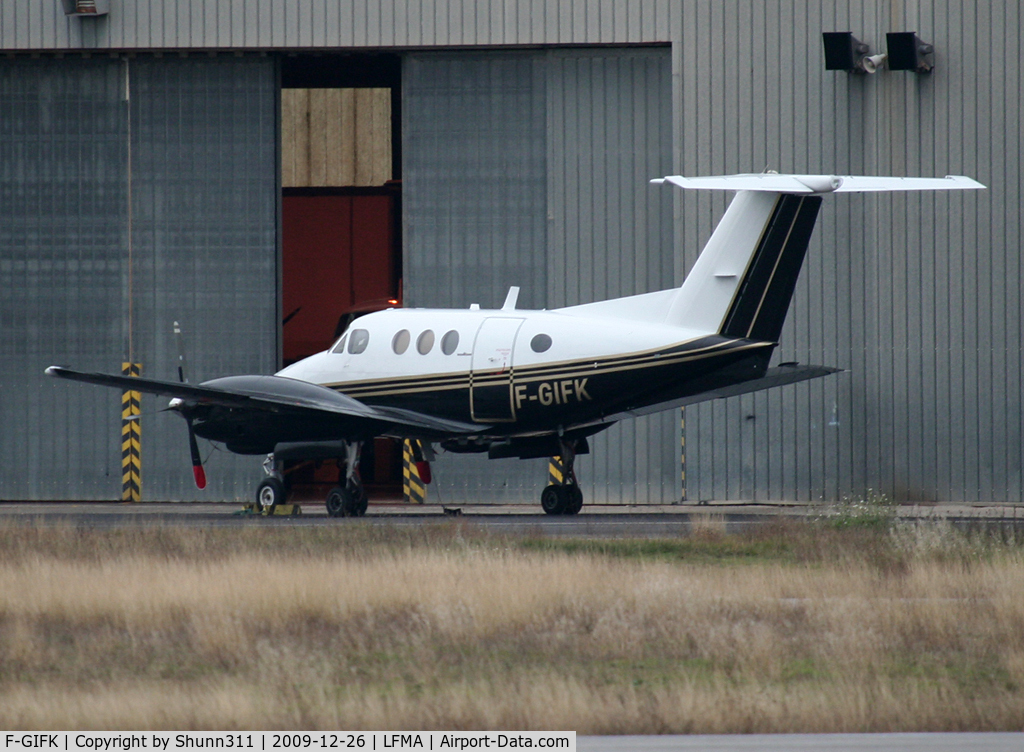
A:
(347, 499)
(270, 494)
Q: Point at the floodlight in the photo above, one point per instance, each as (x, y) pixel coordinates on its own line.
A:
(843, 51)
(907, 52)
(86, 8)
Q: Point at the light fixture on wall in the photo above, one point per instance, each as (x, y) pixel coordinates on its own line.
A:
(907, 52)
(843, 51)
(86, 8)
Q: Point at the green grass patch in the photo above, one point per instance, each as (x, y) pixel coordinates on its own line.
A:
(725, 550)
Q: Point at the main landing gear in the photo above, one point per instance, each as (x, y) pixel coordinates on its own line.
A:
(347, 499)
(565, 497)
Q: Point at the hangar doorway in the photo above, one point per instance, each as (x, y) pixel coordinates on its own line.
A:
(340, 219)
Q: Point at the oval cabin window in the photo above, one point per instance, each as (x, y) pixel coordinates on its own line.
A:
(425, 342)
(449, 342)
(401, 342)
(540, 343)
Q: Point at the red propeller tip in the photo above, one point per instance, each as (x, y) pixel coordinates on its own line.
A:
(423, 468)
(200, 474)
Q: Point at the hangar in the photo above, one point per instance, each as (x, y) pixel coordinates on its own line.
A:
(257, 169)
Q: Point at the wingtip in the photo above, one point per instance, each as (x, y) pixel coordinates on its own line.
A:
(967, 182)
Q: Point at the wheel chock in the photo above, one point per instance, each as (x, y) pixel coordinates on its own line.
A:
(281, 510)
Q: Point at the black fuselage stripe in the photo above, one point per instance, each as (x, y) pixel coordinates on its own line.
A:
(577, 369)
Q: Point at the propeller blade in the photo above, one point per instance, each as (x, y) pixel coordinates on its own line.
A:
(182, 374)
(197, 461)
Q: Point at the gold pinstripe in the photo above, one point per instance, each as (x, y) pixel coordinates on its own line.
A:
(526, 375)
(750, 263)
(775, 268)
(557, 366)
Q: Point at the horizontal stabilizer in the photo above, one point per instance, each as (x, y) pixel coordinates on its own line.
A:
(742, 282)
(773, 377)
(774, 183)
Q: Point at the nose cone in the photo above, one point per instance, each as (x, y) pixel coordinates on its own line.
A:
(307, 369)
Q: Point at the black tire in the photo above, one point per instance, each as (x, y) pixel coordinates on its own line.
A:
(553, 499)
(575, 502)
(269, 494)
(336, 502)
(355, 503)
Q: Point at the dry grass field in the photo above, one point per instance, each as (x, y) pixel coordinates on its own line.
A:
(794, 628)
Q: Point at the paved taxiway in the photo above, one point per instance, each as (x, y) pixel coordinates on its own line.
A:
(609, 521)
(990, 742)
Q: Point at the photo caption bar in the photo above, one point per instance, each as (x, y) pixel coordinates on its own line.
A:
(370, 741)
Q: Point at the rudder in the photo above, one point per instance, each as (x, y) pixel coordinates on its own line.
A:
(758, 310)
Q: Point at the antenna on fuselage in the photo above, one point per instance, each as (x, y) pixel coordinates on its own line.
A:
(510, 299)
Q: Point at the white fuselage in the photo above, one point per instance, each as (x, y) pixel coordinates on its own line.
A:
(528, 370)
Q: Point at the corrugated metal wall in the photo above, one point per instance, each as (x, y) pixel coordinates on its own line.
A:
(262, 24)
(63, 196)
(531, 169)
(918, 296)
(204, 252)
(205, 187)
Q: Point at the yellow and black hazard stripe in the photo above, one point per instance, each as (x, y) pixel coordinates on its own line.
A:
(413, 488)
(682, 451)
(556, 471)
(131, 438)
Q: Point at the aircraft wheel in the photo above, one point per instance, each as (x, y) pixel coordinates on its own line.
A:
(336, 502)
(355, 501)
(554, 499)
(575, 500)
(269, 494)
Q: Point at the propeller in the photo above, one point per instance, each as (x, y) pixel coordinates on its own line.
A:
(176, 404)
(197, 461)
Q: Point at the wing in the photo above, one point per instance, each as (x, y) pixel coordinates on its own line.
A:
(277, 394)
(773, 377)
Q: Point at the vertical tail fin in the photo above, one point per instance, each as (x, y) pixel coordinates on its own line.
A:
(744, 278)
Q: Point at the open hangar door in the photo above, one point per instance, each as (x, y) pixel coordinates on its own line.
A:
(340, 228)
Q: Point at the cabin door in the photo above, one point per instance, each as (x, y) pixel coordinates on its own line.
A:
(490, 380)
